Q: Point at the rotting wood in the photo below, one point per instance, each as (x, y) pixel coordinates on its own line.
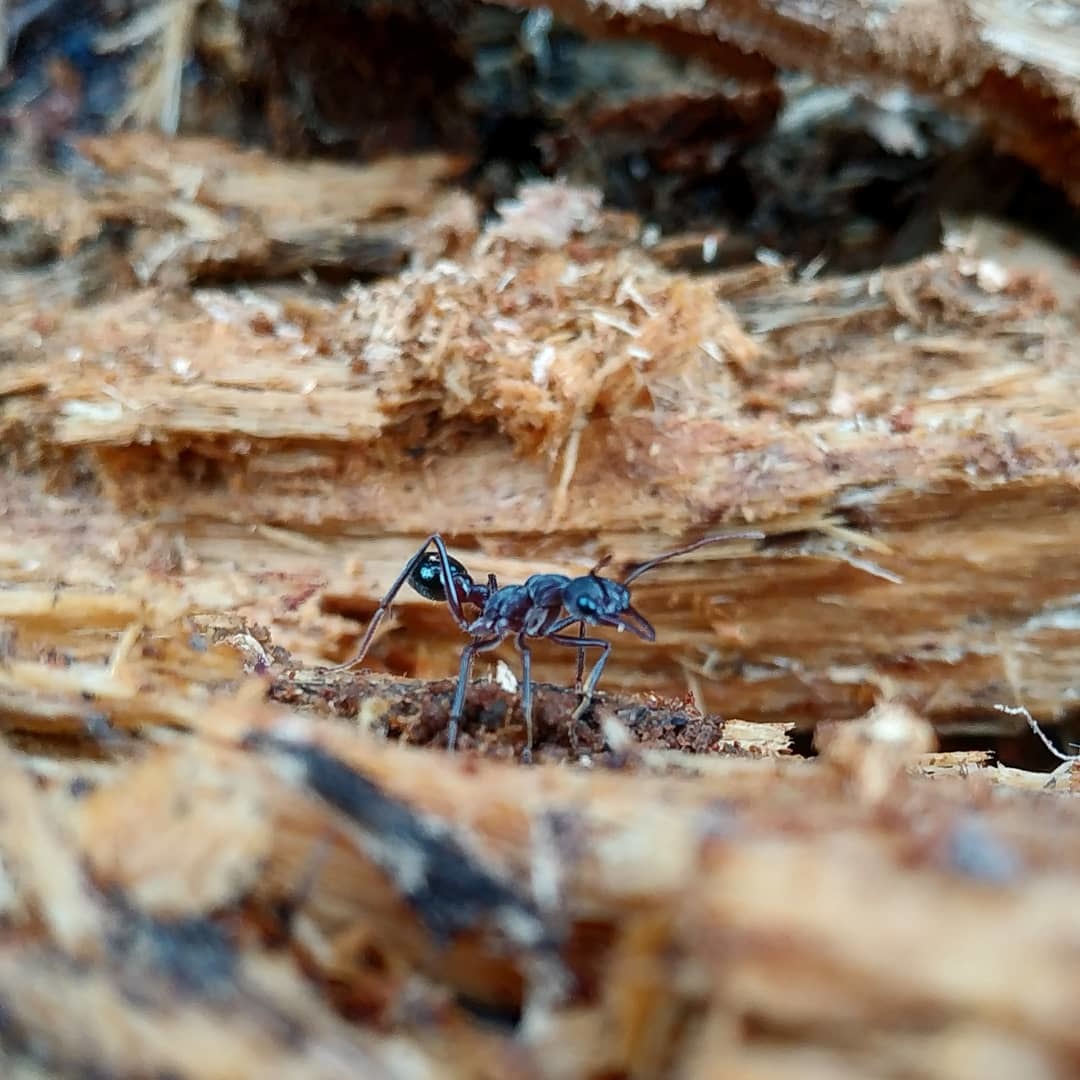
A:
(216, 859)
(1011, 67)
(201, 210)
(430, 913)
(542, 407)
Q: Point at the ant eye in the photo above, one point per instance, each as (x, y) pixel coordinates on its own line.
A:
(584, 597)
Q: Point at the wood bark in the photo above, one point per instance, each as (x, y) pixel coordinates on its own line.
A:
(1012, 68)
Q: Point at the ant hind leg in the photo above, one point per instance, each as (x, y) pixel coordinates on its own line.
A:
(387, 600)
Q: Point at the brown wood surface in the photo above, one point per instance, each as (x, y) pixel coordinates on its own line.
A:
(220, 859)
(906, 437)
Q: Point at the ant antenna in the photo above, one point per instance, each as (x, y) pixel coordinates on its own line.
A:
(600, 565)
(644, 568)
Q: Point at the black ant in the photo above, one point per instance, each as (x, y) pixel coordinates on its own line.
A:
(545, 606)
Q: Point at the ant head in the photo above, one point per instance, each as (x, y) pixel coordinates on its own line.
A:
(602, 602)
(427, 578)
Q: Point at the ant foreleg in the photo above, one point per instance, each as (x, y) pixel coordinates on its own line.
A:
(468, 654)
(580, 674)
(590, 686)
(554, 634)
(581, 643)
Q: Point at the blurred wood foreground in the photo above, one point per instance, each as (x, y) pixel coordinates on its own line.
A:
(236, 391)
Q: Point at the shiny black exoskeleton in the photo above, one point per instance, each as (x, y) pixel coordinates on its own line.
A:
(545, 606)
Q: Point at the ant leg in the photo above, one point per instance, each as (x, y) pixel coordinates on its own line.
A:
(458, 706)
(453, 601)
(388, 599)
(582, 643)
(384, 605)
(590, 686)
(526, 696)
(580, 674)
(553, 634)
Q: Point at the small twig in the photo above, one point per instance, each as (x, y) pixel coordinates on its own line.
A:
(122, 650)
(1019, 710)
(855, 537)
(1011, 667)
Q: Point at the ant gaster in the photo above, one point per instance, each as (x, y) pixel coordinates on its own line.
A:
(545, 606)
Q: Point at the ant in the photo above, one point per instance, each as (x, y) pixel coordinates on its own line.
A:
(532, 610)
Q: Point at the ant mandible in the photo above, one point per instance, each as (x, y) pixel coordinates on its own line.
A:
(545, 606)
